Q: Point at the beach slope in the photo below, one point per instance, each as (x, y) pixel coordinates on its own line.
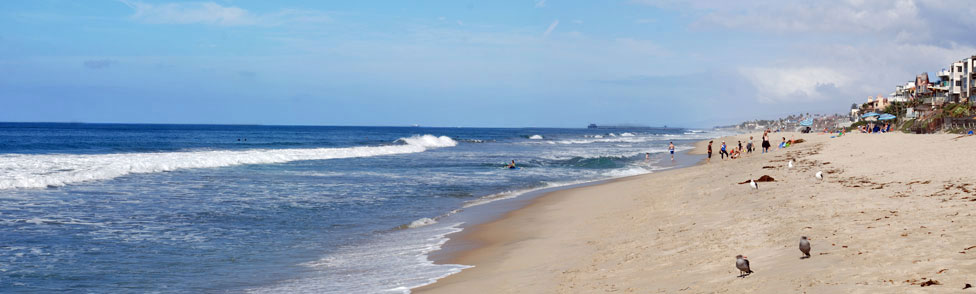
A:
(893, 214)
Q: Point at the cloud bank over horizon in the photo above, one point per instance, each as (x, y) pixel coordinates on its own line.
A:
(508, 63)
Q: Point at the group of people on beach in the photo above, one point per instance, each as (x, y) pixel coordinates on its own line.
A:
(875, 128)
(737, 151)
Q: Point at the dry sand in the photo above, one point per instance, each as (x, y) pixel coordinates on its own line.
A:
(894, 211)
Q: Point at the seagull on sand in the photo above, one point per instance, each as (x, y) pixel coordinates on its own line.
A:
(742, 264)
(805, 247)
(820, 175)
(791, 163)
(753, 184)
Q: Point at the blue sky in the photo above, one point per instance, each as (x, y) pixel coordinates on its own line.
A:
(464, 63)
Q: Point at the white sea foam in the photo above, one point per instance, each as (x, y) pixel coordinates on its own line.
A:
(45, 170)
(394, 262)
(422, 222)
(608, 140)
(536, 137)
(512, 194)
(632, 171)
(632, 138)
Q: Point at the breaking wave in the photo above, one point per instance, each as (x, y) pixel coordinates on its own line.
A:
(52, 170)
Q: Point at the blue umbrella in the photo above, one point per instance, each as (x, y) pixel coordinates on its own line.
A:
(886, 117)
(870, 114)
(807, 122)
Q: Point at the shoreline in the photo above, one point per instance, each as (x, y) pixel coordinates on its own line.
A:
(642, 233)
(461, 243)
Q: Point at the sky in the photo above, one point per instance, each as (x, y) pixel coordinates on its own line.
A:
(532, 63)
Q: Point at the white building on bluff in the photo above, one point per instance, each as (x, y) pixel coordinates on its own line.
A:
(962, 80)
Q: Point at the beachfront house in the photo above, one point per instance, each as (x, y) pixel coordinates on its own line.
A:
(960, 81)
(926, 99)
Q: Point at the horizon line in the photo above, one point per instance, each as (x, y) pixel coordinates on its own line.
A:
(309, 125)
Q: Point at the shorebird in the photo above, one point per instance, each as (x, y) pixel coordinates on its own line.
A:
(753, 184)
(820, 175)
(742, 264)
(805, 246)
(791, 164)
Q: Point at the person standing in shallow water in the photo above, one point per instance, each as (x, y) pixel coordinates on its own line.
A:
(671, 148)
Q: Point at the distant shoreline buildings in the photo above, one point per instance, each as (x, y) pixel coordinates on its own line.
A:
(946, 104)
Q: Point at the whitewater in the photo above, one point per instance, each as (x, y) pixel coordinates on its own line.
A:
(52, 170)
(113, 208)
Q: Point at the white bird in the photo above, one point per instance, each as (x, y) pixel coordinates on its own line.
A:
(791, 164)
(742, 264)
(753, 184)
(820, 175)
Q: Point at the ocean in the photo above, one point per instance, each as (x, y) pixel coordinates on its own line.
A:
(131, 208)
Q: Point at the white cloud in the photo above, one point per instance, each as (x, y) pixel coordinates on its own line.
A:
(834, 51)
(551, 28)
(540, 3)
(792, 84)
(215, 14)
(819, 16)
(187, 13)
(912, 20)
(847, 72)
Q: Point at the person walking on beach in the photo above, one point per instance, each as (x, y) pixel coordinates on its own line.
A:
(749, 146)
(709, 152)
(765, 143)
(740, 147)
(723, 152)
(671, 148)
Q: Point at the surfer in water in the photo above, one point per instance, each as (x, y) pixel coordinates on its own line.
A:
(512, 165)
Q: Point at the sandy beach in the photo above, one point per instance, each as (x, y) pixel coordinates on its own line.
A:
(893, 214)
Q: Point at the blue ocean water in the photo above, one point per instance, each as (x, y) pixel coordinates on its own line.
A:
(96, 208)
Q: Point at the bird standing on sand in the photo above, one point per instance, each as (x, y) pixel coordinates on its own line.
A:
(805, 246)
(753, 184)
(742, 264)
(820, 175)
(791, 164)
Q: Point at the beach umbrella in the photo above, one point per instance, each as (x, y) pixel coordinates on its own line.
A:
(886, 117)
(869, 114)
(807, 122)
